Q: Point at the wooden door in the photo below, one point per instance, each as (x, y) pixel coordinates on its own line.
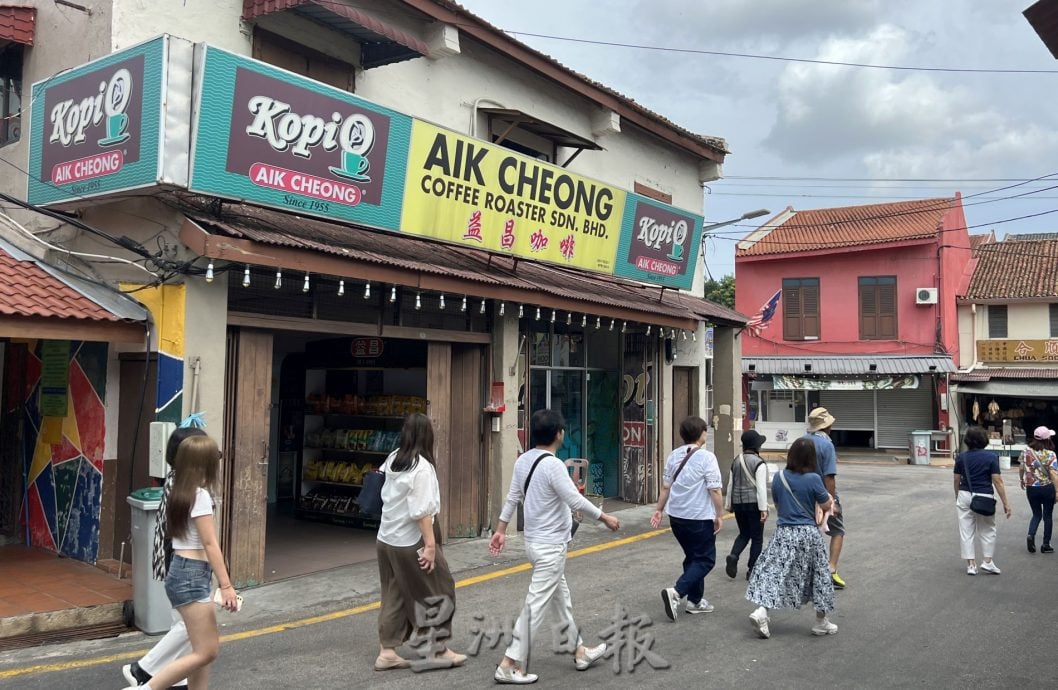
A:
(466, 489)
(248, 393)
(684, 398)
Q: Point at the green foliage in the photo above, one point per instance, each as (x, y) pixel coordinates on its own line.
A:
(721, 291)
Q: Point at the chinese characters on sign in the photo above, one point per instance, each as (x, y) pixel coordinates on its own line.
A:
(1017, 350)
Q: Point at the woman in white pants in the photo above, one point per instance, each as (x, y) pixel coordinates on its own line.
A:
(977, 472)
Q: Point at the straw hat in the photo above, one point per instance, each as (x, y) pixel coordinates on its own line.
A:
(819, 418)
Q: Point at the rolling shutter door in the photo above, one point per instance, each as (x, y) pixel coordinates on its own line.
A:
(903, 411)
(854, 410)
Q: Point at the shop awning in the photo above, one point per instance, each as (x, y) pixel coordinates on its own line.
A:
(252, 235)
(18, 24)
(546, 130)
(381, 43)
(40, 301)
(1014, 388)
(848, 365)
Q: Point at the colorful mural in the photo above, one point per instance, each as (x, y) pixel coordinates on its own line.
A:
(63, 456)
(167, 305)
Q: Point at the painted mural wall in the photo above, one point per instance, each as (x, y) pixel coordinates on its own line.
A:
(63, 448)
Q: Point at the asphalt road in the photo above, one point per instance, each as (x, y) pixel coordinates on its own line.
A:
(910, 616)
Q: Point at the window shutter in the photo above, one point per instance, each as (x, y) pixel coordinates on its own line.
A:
(1053, 309)
(868, 312)
(997, 321)
(886, 312)
(791, 313)
(810, 310)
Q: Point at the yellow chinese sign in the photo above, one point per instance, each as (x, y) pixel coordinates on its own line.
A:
(1017, 350)
(463, 190)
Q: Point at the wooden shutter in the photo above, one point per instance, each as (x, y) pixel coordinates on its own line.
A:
(791, 314)
(886, 312)
(1052, 310)
(810, 310)
(997, 321)
(868, 311)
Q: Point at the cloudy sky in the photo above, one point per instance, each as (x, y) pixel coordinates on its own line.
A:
(874, 135)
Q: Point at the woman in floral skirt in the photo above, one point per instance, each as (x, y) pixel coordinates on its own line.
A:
(793, 569)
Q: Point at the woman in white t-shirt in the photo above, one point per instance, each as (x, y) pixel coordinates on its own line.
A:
(418, 591)
(196, 557)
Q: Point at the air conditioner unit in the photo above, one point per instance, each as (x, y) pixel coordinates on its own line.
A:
(925, 295)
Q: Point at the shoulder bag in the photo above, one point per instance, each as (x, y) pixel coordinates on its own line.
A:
(982, 504)
(818, 512)
(370, 497)
(525, 492)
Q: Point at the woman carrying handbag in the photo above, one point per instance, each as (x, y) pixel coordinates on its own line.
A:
(976, 473)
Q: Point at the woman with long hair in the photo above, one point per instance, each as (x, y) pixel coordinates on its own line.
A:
(1039, 473)
(418, 592)
(175, 643)
(196, 557)
(793, 569)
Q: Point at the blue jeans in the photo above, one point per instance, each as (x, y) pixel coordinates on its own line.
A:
(698, 542)
(1041, 500)
(188, 582)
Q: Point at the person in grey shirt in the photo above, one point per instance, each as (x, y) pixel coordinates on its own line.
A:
(543, 486)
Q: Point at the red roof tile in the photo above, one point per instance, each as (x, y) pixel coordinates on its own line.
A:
(17, 23)
(982, 239)
(28, 290)
(848, 226)
(985, 374)
(1021, 269)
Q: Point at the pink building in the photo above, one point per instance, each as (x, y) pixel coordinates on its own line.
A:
(864, 319)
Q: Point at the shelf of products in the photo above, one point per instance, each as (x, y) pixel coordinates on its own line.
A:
(348, 434)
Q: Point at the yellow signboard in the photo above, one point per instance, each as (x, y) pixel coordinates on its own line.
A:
(1017, 350)
(463, 190)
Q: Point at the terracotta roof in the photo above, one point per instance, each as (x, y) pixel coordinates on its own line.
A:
(419, 255)
(1020, 269)
(26, 289)
(17, 23)
(987, 374)
(978, 240)
(849, 226)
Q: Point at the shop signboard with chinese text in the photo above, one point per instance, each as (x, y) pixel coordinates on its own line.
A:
(1017, 350)
(882, 383)
(115, 124)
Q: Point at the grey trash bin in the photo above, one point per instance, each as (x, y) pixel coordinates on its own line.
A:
(919, 447)
(150, 605)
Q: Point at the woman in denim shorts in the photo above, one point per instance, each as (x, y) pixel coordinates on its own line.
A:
(196, 556)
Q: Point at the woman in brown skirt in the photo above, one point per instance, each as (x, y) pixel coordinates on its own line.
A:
(418, 592)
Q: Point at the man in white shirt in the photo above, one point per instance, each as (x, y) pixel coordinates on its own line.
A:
(692, 496)
(543, 486)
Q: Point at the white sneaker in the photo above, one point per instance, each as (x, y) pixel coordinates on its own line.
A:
(513, 676)
(671, 599)
(824, 627)
(760, 622)
(990, 567)
(702, 606)
(591, 655)
(130, 678)
(971, 570)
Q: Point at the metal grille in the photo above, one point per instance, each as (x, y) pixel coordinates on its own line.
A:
(903, 411)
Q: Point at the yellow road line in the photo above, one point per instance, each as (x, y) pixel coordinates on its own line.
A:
(314, 620)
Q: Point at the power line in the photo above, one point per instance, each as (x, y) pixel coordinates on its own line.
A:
(780, 58)
(885, 179)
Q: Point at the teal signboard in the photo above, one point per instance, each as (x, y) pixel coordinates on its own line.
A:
(102, 128)
(659, 243)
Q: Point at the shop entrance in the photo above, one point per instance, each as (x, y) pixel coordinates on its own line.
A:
(324, 410)
(11, 477)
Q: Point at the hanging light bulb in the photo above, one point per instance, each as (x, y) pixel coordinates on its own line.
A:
(279, 279)
(684, 334)
(694, 336)
(341, 288)
(305, 287)
(482, 309)
(442, 301)
(661, 333)
(367, 291)
(393, 294)
(624, 326)
(598, 323)
(672, 333)
(584, 321)
(464, 307)
(611, 324)
(648, 329)
(418, 301)
(503, 308)
(246, 277)
(538, 313)
(569, 318)
(209, 272)
(554, 314)
(521, 311)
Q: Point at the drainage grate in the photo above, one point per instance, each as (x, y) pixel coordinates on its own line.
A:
(89, 632)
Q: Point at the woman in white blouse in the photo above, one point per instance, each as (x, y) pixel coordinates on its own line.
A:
(411, 567)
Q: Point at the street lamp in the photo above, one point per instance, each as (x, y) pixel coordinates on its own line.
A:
(748, 215)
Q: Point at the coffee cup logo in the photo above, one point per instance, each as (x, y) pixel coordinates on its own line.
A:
(656, 234)
(354, 167)
(117, 126)
(71, 118)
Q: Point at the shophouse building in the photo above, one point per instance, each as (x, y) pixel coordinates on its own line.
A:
(855, 311)
(353, 211)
